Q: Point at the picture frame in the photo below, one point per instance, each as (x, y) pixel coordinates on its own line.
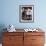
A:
(26, 13)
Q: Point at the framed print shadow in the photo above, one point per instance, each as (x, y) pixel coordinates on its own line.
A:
(26, 13)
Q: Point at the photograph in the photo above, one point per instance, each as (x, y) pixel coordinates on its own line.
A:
(26, 13)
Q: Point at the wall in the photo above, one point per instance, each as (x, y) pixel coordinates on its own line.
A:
(9, 13)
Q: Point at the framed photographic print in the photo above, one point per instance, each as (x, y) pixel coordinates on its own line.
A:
(26, 13)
